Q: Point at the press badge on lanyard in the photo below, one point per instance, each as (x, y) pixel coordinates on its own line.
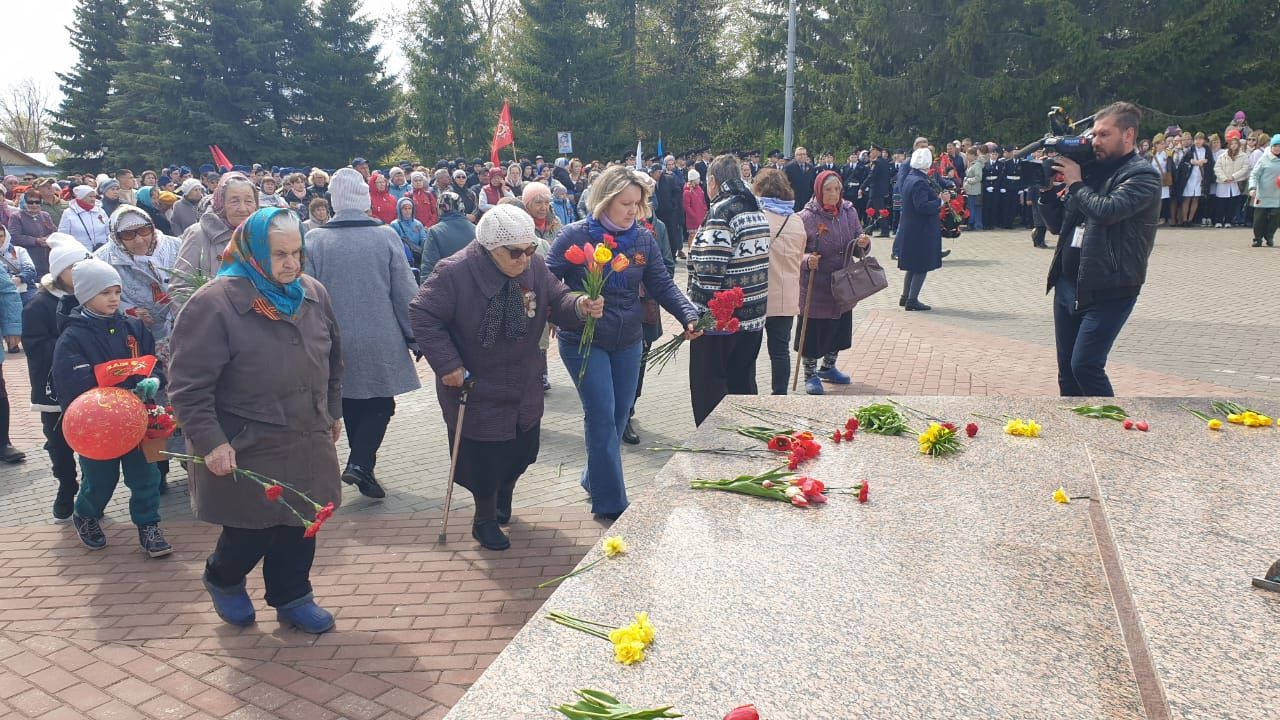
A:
(1077, 240)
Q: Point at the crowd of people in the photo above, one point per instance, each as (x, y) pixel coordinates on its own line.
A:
(285, 306)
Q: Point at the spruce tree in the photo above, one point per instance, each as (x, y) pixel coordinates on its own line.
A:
(685, 81)
(347, 98)
(449, 93)
(565, 72)
(223, 72)
(78, 123)
(139, 112)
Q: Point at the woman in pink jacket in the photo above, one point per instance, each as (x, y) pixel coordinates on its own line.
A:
(695, 205)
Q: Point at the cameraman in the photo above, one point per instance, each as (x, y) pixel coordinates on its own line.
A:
(1105, 215)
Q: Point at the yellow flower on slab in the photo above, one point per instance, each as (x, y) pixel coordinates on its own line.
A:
(625, 634)
(1060, 496)
(644, 627)
(614, 546)
(1215, 424)
(629, 653)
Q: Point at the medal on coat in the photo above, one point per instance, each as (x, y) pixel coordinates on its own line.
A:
(530, 303)
(639, 259)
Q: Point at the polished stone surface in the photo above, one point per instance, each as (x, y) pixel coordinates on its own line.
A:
(960, 591)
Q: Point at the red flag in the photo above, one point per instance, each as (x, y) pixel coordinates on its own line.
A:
(502, 136)
(219, 158)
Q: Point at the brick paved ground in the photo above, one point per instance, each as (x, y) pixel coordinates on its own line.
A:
(114, 635)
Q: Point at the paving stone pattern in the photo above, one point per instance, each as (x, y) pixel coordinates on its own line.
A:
(112, 634)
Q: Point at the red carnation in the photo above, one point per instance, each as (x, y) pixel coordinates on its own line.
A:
(949, 426)
(863, 491)
(971, 429)
(324, 513)
(274, 492)
(851, 424)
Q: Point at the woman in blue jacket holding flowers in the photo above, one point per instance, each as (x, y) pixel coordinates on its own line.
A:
(607, 385)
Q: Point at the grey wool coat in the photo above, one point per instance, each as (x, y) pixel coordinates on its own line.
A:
(361, 263)
(270, 388)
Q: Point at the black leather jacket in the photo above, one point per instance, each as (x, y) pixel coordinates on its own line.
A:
(1119, 207)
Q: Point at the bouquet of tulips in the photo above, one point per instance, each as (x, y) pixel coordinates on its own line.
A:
(600, 262)
(719, 316)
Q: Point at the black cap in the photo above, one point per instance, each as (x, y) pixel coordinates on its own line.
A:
(655, 168)
(442, 165)
(477, 161)
(359, 161)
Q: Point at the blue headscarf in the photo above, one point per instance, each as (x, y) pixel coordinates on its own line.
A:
(249, 256)
(144, 197)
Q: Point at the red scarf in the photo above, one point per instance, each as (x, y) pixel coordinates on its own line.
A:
(541, 225)
(493, 194)
(85, 204)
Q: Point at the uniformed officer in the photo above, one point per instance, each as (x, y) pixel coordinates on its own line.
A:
(878, 187)
(991, 188)
(854, 174)
(1011, 187)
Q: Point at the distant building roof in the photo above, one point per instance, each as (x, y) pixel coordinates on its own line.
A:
(17, 162)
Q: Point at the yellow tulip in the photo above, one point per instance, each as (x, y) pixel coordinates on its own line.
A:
(1060, 496)
(603, 254)
(1215, 424)
(614, 546)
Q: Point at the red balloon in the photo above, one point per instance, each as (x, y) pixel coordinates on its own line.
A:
(105, 423)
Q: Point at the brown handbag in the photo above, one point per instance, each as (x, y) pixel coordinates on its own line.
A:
(857, 280)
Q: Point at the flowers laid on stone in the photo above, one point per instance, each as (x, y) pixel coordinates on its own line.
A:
(719, 317)
(780, 485)
(1060, 496)
(1235, 414)
(881, 419)
(273, 491)
(612, 547)
(1022, 428)
(743, 712)
(595, 705)
(971, 429)
(629, 641)
(1101, 412)
(939, 439)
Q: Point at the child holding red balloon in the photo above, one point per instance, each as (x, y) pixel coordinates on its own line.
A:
(103, 351)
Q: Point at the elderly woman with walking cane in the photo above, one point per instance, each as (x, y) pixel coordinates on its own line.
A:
(478, 319)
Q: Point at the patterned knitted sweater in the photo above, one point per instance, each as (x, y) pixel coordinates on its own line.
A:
(730, 250)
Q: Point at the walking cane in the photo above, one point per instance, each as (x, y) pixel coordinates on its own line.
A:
(804, 324)
(465, 390)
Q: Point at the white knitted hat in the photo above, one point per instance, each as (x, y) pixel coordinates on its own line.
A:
(504, 225)
(348, 190)
(921, 159)
(188, 185)
(64, 251)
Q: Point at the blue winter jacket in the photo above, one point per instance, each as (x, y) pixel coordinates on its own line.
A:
(623, 313)
(88, 341)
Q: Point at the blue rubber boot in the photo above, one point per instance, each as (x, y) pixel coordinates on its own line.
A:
(834, 376)
(813, 385)
(305, 615)
(232, 604)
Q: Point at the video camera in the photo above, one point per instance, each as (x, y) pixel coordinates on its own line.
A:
(1061, 140)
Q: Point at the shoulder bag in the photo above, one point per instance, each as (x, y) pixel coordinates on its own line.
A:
(857, 280)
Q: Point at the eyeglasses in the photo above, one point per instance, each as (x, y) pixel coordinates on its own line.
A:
(517, 253)
(35, 201)
(144, 231)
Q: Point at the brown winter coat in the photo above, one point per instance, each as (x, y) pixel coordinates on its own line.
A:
(272, 388)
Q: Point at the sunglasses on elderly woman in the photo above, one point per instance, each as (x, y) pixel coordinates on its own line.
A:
(517, 253)
(144, 231)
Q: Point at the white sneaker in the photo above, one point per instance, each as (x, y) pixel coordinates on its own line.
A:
(1217, 225)
(1228, 225)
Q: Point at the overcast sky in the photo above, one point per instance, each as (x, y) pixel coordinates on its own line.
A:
(39, 30)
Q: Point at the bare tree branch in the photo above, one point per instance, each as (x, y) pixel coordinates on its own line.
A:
(24, 117)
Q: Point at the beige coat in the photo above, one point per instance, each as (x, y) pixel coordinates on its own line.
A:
(785, 250)
(272, 388)
(201, 250)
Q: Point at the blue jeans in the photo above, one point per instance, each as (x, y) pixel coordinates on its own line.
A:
(607, 391)
(1084, 339)
(975, 215)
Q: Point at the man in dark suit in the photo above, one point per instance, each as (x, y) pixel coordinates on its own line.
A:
(800, 174)
(878, 187)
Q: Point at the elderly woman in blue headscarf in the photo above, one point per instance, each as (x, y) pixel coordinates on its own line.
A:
(256, 383)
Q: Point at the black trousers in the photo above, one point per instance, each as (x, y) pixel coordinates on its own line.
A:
(61, 455)
(366, 422)
(721, 365)
(777, 330)
(490, 469)
(644, 355)
(286, 560)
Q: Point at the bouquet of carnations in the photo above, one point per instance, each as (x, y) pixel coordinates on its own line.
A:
(719, 317)
(600, 262)
(274, 490)
(780, 485)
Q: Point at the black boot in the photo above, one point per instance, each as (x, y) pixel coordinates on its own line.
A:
(504, 498)
(489, 535)
(902, 301)
(64, 503)
(917, 305)
(364, 481)
(629, 436)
